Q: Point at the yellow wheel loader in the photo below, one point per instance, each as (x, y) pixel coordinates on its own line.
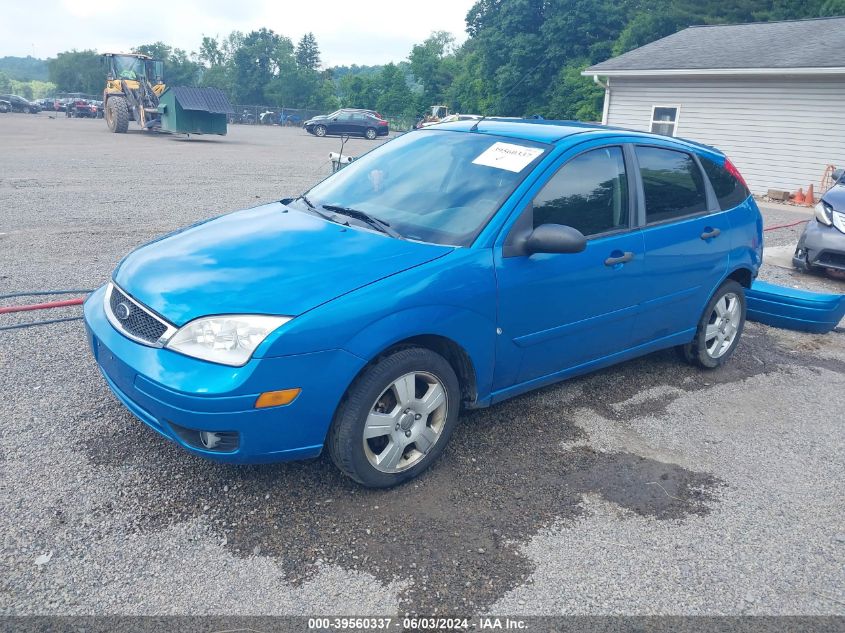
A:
(135, 92)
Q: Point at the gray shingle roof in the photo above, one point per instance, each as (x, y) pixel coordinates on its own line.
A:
(206, 99)
(817, 43)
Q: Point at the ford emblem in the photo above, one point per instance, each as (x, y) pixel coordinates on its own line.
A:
(122, 311)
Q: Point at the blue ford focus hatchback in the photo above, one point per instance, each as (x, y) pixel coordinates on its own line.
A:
(453, 267)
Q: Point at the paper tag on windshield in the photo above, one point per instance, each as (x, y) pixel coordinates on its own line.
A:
(507, 156)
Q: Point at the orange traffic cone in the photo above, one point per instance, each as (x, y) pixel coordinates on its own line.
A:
(798, 198)
(810, 199)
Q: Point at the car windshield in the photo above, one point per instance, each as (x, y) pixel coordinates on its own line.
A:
(433, 185)
(126, 67)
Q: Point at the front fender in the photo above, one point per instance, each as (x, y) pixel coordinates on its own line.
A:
(453, 296)
(475, 334)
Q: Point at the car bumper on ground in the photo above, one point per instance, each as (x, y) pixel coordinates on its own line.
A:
(820, 245)
(179, 396)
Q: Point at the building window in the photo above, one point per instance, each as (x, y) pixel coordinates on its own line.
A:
(664, 120)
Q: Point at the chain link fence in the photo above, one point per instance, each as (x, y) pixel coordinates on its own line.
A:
(295, 117)
(269, 115)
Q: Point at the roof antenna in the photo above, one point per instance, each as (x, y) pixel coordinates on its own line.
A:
(542, 61)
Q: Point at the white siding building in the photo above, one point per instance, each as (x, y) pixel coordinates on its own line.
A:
(769, 95)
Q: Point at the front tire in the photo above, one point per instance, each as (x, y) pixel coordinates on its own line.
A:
(117, 115)
(371, 134)
(396, 418)
(719, 328)
(320, 130)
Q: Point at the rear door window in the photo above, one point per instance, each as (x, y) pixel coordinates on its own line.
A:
(589, 193)
(730, 192)
(672, 183)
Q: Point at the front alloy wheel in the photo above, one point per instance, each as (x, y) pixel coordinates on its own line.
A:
(320, 130)
(396, 418)
(405, 422)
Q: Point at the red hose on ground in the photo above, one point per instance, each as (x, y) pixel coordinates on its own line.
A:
(42, 306)
(784, 226)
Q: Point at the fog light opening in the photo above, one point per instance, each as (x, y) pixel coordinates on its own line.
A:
(210, 440)
(216, 441)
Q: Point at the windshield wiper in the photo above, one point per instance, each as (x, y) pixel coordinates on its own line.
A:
(373, 221)
(314, 209)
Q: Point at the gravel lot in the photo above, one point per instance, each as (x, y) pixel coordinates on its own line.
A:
(648, 488)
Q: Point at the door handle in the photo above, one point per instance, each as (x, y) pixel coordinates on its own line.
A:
(711, 233)
(625, 257)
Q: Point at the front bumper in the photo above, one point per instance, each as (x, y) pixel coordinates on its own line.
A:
(164, 388)
(820, 245)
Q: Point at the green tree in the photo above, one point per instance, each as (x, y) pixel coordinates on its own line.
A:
(257, 60)
(308, 53)
(395, 96)
(179, 68)
(77, 71)
(358, 91)
(832, 8)
(5, 83)
(433, 66)
(24, 68)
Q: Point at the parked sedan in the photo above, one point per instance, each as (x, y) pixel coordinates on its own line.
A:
(19, 104)
(449, 268)
(364, 123)
(822, 245)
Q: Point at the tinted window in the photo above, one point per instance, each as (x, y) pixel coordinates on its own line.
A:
(589, 193)
(672, 183)
(730, 192)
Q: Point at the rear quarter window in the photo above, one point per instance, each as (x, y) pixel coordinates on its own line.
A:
(730, 192)
(672, 183)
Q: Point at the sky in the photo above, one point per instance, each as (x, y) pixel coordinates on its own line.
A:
(364, 32)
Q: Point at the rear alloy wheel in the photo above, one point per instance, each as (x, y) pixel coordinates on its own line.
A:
(396, 419)
(719, 329)
(117, 115)
(371, 133)
(320, 130)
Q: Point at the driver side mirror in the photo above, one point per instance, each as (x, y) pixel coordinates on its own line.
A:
(555, 238)
(525, 240)
(837, 175)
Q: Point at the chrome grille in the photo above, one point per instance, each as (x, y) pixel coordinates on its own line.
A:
(134, 320)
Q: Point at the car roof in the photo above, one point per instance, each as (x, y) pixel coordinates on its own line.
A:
(553, 131)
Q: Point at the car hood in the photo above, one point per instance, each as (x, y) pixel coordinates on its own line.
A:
(265, 260)
(321, 117)
(835, 197)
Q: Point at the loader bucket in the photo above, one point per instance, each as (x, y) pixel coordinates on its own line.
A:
(186, 110)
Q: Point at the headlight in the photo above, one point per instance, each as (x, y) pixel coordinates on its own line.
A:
(824, 213)
(228, 339)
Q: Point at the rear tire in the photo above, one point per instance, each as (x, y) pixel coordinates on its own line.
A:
(396, 418)
(371, 134)
(117, 115)
(320, 130)
(719, 328)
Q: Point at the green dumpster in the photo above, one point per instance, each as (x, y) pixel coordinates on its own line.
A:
(187, 110)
